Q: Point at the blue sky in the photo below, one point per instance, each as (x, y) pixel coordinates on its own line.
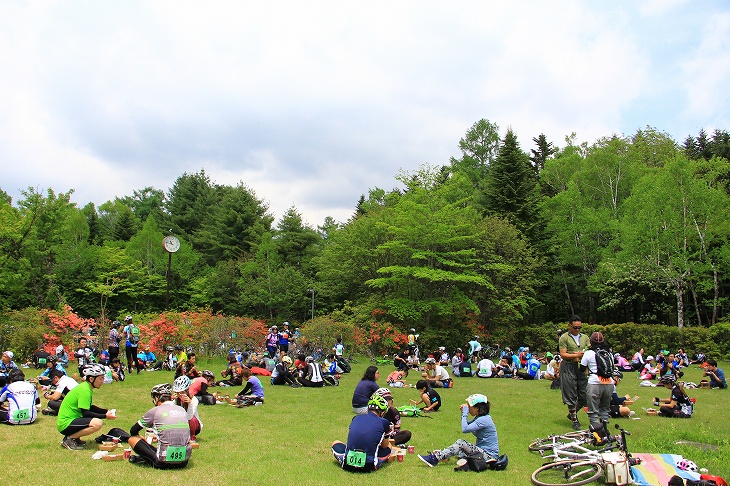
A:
(311, 104)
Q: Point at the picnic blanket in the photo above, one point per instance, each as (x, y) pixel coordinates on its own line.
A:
(657, 469)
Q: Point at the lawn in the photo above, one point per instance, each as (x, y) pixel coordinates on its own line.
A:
(287, 440)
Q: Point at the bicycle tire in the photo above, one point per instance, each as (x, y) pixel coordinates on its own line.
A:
(548, 443)
(567, 473)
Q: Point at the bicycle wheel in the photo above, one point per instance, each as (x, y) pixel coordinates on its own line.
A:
(542, 445)
(567, 473)
(566, 438)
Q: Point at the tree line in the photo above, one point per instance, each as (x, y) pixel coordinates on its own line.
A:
(627, 229)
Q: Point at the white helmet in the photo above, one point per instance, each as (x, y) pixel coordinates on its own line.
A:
(94, 370)
(181, 383)
(687, 465)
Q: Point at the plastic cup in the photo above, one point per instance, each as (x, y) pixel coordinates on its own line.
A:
(400, 457)
(127, 453)
(411, 449)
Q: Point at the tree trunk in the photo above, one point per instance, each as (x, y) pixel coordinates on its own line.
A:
(717, 296)
(680, 304)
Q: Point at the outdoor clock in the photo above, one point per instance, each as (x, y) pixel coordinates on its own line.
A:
(171, 244)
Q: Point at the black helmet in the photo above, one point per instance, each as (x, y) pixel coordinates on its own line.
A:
(116, 324)
(179, 347)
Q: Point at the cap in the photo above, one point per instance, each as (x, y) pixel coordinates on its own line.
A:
(441, 348)
(9, 354)
(476, 398)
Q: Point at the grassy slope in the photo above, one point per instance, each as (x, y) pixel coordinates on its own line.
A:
(287, 439)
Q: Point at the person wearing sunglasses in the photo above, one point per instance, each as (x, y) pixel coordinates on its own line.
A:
(573, 383)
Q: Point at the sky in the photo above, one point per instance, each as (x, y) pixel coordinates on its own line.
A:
(312, 104)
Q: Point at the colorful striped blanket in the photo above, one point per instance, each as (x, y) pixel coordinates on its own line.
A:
(657, 469)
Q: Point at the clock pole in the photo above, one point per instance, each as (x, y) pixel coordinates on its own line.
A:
(167, 291)
(171, 245)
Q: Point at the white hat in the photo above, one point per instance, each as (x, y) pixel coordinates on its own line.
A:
(59, 349)
(441, 348)
(9, 354)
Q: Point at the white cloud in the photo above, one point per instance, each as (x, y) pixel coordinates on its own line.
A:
(313, 104)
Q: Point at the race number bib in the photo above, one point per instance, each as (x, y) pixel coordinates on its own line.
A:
(176, 453)
(22, 414)
(483, 371)
(42, 361)
(355, 459)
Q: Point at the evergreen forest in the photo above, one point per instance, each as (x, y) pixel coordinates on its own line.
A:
(511, 234)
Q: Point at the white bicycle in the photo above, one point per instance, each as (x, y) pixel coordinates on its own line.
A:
(575, 464)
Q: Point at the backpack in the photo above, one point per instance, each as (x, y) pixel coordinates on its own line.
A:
(133, 334)
(604, 363)
(409, 411)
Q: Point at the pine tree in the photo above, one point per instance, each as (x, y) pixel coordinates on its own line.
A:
(510, 188)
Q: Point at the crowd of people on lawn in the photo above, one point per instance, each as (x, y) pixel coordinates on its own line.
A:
(584, 369)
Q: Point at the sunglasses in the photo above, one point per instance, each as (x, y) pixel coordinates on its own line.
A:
(577, 327)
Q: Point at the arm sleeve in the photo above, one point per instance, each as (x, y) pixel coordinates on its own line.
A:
(245, 390)
(136, 429)
(467, 427)
(93, 413)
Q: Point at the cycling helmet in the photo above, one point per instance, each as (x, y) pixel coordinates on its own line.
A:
(618, 374)
(476, 398)
(207, 374)
(286, 359)
(687, 465)
(163, 389)
(597, 337)
(413, 330)
(181, 383)
(116, 324)
(528, 356)
(377, 402)
(668, 380)
(430, 361)
(94, 370)
(179, 347)
(308, 359)
(170, 348)
(127, 318)
(385, 393)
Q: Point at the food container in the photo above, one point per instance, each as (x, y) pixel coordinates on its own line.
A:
(194, 445)
(107, 446)
(652, 411)
(114, 457)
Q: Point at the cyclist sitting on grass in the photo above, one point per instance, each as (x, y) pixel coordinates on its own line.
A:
(482, 426)
(429, 397)
(77, 417)
(678, 405)
(253, 392)
(182, 399)
(170, 423)
(618, 406)
(367, 447)
(364, 390)
(398, 435)
(436, 375)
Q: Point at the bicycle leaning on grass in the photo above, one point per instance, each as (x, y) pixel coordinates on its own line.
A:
(575, 464)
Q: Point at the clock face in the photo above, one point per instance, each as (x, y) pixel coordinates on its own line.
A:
(171, 244)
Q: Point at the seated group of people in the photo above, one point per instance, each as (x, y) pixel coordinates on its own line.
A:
(173, 420)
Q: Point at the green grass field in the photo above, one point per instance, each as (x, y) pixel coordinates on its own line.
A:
(287, 440)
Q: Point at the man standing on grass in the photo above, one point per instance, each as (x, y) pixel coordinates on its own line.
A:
(573, 383)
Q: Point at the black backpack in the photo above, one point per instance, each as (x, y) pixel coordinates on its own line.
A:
(604, 363)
